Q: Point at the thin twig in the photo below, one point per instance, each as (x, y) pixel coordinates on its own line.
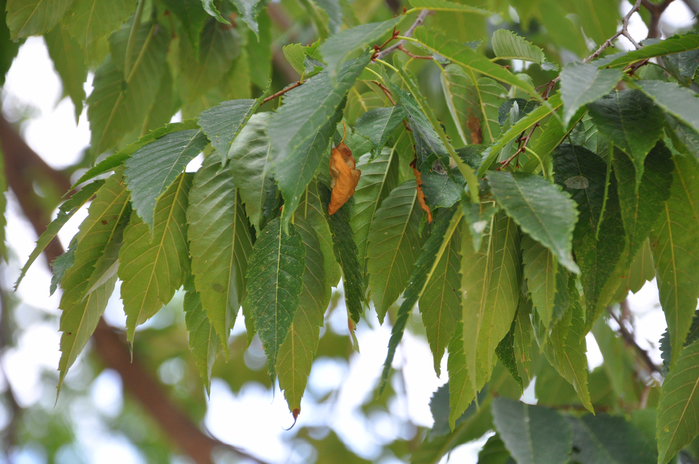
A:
(283, 91)
(524, 141)
(629, 338)
(412, 55)
(387, 92)
(409, 33)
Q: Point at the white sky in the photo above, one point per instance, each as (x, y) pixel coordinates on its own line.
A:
(254, 418)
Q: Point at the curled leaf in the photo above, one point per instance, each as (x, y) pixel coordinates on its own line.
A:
(420, 193)
(344, 176)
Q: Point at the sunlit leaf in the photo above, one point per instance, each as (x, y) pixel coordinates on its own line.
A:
(203, 340)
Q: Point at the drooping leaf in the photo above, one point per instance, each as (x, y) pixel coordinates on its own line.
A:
(220, 245)
(630, 120)
(259, 50)
(674, 44)
(224, 122)
(541, 209)
(34, 17)
(533, 434)
(505, 352)
(153, 262)
(346, 254)
(540, 270)
(440, 302)
(65, 212)
(300, 130)
(490, 283)
(478, 216)
(461, 393)
(118, 105)
(378, 124)
(379, 178)
(248, 10)
(583, 83)
(444, 226)
(203, 340)
(641, 208)
(666, 348)
(274, 281)
(508, 45)
(80, 315)
(462, 102)
(676, 252)
(210, 8)
(61, 264)
(192, 15)
(393, 246)
(313, 211)
(69, 62)
(339, 48)
(298, 350)
(582, 174)
(153, 168)
(679, 405)
(680, 102)
(609, 439)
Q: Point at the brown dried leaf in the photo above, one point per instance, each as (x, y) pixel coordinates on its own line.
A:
(420, 193)
(344, 176)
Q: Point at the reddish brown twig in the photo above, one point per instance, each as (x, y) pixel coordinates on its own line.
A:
(283, 91)
(387, 92)
(523, 142)
(394, 35)
(412, 55)
(409, 33)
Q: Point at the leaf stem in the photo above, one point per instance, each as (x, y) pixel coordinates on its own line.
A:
(283, 91)
(135, 26)
(386, 64)
(408, 34)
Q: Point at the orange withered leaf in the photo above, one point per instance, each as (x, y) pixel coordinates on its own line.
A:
(420, 193)
(344, 177)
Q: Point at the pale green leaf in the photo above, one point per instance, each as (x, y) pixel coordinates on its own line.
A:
(445, 5)
(541, 209)
(298, 350)
(631, 121)
(582, 83)
(80, 315)
(116, 105)
(154, 167)
(69, 62)
(598, 18)
(301, 129)
(274, 281)
(203, 340)
(678, 407)
(219, 244)
(153, 262)
(533, 434)
(339, 48)
(34, 17)
(461, 393)
(393, 245)
(334, 11)
(91, 20)
(224, 122)
(676, 252)
(248, 10)
(508, 45)
(680, 102)
(490, 280)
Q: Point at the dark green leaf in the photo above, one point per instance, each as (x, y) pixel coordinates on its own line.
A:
(61, 264)
(210, 8)
(154, 167)
(665, 347)
(378, 124)
(674, 44)
(533, 434)
(300, 130)
(506, 354)
(609, 439)
(192, 16)
(680, 102)
(260, 52)
(274, 280)
(582, 83)
(494, 452)
(224, 122)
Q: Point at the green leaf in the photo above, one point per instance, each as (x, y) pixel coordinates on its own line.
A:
(477, 216)
(505, 352)
(679, 405)
(192, 16)
(583, 83)
(583, 175)
(80, 315)
(298, 350)
(301, 129)
(444, 226)
(210, 8)
(116, 105)
(541, 209)
(251, 166)
(224, 122)
(248, 10)
(462, 102)
(90, 20)
(203, 340)
(379, 178)
(619, 363)
(65, 212)
(274, 281)
(631, 121)
(260, 52)
(69, 62)
(532, 434)
(339, 48)
(684, 138)
(153, 168)
(641, 208)
(490, 279)
(296, 54)
(540, 270)
(598, 18)
(334, 11)
(444, 5)
(676, 252)
(665, 346)
(34, 17)
(609, 439)
(378, 124)
(219, 243)
(464, 56)
(393, 246)
(62, 263)
(680, 102)
(346, 254)
(312, 209)
(461, 393)
(440, 302)
(153, 262)
(674, 44)
(508, 46)
(494, 452)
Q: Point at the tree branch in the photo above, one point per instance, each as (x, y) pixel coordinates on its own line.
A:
(409, 33)
(656, 10)
(23, 167)
(630, 339)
